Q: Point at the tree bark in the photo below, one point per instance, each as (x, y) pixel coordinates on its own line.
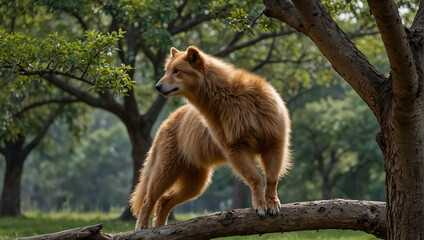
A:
(364, 216)
(402, 138)
(397, 101)
(11, 195)
(89, 232)
(241, 197)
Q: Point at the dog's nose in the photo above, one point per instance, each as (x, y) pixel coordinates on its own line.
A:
(158, 86)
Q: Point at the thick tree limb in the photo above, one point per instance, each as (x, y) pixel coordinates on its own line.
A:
(106, 101)
(284, 11)
(81, 95)
(418, 23)
(402, 66)
(367, 216)
(311, 18)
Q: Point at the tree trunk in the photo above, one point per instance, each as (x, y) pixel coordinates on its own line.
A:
(10, 202)
(397, 101)
(139, 129)
(140, 145)
(241, 197)
(326, 189)
(404, 178)
(364, 216)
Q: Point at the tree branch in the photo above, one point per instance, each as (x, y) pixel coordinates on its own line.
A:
(284, 11)
(81, 95)
(44, 102)
(418, 23)
(31, 145)
(79, 19)
(2, 150)
(268, 57)
(363, 31)
(402, 66)
(25, 72)
(333, 160)
(133, 39)
(72, 234)
(152, 114)
(311, 18)
(367, 216)
(231, 48)
(336, 178)
(189, 24)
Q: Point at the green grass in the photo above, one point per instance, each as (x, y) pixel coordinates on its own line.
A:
(36, 223)
(322, 234)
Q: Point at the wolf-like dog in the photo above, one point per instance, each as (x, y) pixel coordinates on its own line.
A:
(233, 116)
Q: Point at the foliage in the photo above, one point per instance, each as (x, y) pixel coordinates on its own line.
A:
(343, 129)
(84, 60)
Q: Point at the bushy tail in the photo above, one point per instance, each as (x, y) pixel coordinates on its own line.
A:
(287, 153)
(140, 190)
(138, 194)
(287, 160)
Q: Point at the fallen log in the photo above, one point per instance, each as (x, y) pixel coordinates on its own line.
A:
(71, 234)
(367, 216)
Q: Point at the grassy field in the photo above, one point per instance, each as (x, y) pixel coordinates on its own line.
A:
(36, 223)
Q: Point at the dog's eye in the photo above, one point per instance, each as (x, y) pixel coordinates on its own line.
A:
(176, 71)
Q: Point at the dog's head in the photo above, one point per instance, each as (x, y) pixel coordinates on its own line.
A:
(183, 73)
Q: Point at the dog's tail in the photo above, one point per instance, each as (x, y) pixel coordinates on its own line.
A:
(140, 190)
(287, 161)
(287, 153)
(137, 196)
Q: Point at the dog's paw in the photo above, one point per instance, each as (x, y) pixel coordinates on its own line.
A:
(139, 225)
(139, 228)
(273, 205)
(260, 207)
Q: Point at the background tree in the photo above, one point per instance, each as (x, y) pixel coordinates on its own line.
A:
(395, 100)
(60, 177)
(151, 29)
(24, 100)
(336, 137)
(26, 117)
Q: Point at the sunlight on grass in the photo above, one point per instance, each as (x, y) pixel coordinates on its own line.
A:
(37, 223)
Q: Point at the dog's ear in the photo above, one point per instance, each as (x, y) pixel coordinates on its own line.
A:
(174, 51)
(195, 58)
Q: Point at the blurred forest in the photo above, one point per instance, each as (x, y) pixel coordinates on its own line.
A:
(85, 161)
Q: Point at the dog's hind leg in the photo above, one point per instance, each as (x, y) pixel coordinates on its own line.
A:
(162, 178)
(244, 163)
(190, 184)
(272, 162)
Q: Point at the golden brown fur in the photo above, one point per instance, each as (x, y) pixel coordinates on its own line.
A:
(233, 116)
